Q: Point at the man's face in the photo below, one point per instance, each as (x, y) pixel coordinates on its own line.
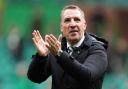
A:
(73, 25)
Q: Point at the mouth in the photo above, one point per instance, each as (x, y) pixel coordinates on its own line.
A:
(73, 31)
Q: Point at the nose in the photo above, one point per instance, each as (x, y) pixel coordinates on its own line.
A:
(72, 23)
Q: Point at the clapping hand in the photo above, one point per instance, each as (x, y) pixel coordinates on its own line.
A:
(39, 43)
(54, 43)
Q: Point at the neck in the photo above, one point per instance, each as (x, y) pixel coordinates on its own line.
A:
(73, 43)
(77, 43)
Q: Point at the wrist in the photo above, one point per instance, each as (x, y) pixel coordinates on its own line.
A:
(42, 55)
(59, 52)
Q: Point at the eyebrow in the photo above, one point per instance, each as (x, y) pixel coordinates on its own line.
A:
(67, 19)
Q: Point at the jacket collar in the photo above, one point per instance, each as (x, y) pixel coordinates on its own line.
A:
(89, 39)
(99, 40)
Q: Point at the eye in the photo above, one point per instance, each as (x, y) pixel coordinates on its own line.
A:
(67, 20)
(77, 19)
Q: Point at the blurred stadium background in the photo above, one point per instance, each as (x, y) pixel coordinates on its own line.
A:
(18, 18)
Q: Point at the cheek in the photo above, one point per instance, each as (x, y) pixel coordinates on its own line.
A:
(64, 29)
(83, 27)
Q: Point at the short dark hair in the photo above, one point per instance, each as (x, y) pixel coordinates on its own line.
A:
(73, 7)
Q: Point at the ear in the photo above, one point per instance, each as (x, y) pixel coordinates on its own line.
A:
(85, 26)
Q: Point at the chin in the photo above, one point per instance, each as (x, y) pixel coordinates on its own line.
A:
(73, 40)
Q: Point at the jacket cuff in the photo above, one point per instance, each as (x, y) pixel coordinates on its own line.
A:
(42, 57)
(39, 58)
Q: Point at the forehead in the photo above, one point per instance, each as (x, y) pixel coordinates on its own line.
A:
(69, 13)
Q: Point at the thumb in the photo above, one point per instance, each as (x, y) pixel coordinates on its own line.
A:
(60, 38)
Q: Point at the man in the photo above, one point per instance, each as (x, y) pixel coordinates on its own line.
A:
(77, 61)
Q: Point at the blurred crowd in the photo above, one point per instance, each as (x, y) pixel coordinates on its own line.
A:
(18, 21)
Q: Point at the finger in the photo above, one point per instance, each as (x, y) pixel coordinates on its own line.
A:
(39, 35)
(48, 46)
(47, 40)
(46, 43)
(35, 35)
(50, 40)
(51, 49)
(53, 46)
(35, 42)
(53, 37)
(45, 37)
(56, 42)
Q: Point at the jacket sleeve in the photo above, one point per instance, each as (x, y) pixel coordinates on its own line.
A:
(39, 69)
(93, 67)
